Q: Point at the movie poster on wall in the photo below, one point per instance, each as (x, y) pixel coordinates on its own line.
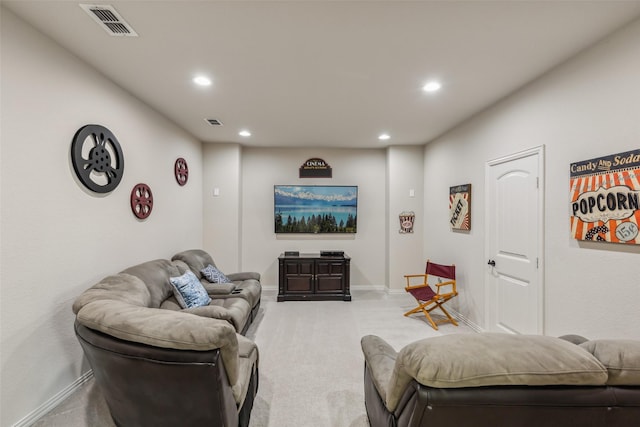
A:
(605, 198)
(460, 207)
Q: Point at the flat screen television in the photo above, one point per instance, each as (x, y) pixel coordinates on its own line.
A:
(315, 208)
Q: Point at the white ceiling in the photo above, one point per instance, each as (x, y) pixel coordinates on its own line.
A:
(327, 73)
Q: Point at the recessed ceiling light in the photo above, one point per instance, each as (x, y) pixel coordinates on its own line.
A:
(384, 137)
(432, 86)
(202, 81)
(244, 133)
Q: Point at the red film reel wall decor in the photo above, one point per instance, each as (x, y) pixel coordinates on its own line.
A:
(141, 201)
(181, 170)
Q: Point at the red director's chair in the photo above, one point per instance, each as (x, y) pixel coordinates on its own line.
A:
(428, 300)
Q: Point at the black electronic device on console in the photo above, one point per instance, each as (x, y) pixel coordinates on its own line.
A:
(291, 253)
(331, 253)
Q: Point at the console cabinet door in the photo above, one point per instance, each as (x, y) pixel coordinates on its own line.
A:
(329, 276)
(298, 276)
(304, 278)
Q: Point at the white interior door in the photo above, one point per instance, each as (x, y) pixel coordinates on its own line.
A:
(514, 212)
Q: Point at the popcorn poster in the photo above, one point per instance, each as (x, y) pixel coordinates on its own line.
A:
(605, 198)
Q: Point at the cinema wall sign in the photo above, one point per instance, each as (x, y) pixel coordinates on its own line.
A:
(605, 198)
(315, 168)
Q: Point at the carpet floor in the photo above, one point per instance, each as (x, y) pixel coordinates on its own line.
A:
(311, 365)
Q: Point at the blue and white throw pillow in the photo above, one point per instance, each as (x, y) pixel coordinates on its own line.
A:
(214, 275)
(189, 291)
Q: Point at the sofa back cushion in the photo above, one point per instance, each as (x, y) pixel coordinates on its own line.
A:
(118, 287)
(491, 359)
(155, 275)
(620, 357)
(196, 259)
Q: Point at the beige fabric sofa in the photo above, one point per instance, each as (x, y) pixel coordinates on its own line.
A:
(245, 285)
(502, 380)
(160, 365)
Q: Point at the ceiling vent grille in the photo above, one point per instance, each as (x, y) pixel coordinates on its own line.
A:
(214, 122)
(110, 20)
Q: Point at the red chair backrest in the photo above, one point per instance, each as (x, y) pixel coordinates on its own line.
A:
(444, 271)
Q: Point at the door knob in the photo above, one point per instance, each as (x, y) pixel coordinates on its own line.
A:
(492, 263)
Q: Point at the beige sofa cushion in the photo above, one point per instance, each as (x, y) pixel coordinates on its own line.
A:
(488, 359)
(196, 259)
(118, 287)
(215, 311)
(155, 274)
(620, 357)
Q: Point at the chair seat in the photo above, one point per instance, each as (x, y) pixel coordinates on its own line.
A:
(423, 294)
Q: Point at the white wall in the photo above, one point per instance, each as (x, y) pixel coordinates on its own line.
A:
(405, 174)
(57, 239)
(383, 177)
(222, 212)
(264, 168)
(588, 107)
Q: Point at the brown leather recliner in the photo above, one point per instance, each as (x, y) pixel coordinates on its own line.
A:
(151, 386)
(502, 380)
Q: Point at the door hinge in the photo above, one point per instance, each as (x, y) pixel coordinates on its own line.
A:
(537, 182)
(537, 263)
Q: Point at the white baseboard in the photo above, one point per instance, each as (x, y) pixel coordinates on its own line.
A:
(367, 288)
(356, 288)
(395, 291)
(462, 319)
(54, 401)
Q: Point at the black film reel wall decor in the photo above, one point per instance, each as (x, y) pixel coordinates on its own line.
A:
(141, 200)
(181, 170)
(97, 158)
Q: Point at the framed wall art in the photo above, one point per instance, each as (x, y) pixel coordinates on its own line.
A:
(460, 207)
(605, 198)
(407, 218)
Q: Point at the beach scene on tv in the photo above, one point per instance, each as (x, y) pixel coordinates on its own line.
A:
(315, 208)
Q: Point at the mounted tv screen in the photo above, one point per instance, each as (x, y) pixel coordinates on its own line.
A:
(316, 208)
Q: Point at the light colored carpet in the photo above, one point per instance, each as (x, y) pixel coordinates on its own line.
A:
(311, 365)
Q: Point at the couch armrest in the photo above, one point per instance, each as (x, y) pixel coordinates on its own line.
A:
(214, 289)
(380, 358)
(245, 275)
(247, 365)
(163, 328)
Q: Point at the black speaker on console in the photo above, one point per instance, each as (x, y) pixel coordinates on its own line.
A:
(331, 253)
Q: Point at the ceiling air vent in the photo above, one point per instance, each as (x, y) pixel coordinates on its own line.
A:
(107, 17)
(214, 122)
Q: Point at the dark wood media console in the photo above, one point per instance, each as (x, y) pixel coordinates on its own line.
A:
(313, 277)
